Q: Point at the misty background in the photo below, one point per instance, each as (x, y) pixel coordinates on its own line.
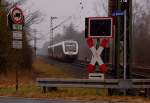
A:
(73, 28)
(141, 32)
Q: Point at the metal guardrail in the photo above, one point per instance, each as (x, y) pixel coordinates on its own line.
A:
(86, 83)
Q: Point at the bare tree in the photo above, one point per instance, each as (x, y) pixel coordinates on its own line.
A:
(6, 51)
(141, 31)
(101, 7)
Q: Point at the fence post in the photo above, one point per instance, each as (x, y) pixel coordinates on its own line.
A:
(44, 89)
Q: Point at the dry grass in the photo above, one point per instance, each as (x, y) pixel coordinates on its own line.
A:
(43, 69)
(31, 91)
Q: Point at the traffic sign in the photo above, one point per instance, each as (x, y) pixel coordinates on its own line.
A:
(118, 13)
(17, 15)
(17, 27)
(17, 35)
(17, 44)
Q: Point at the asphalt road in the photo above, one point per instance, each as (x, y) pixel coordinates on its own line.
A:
(23, 100)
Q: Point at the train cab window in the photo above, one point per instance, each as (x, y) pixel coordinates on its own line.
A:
(70, 47)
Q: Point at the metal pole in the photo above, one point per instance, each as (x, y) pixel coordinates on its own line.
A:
(112, 5)
(17, 79)
(17, 83)
(51, 32)
(125, 44)
(97, 66)
(129, 38)
(125, 48)
(35, 43)
(13, 2)
(117, 42)
(17, 68)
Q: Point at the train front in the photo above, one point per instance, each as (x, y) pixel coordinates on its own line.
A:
(71, 50)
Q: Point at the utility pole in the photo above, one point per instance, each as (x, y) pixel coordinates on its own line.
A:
(123, 35)
(129, 38)
(51, 31)
(35, 41)
(114, 5)
(126, 7)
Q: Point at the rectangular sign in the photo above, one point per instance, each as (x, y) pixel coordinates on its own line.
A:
(99, 27)
(17, 27)
(17, 35)
(118, 13)
(96, 76)
(17, 44)
(123, 0)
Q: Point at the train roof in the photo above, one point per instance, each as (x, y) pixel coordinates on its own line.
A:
(61, 43)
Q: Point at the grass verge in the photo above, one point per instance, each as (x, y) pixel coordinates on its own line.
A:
(28, 89)
(31, 91)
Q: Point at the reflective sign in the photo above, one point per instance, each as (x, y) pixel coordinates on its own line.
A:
(17, 27)
(17, 15)
(17, 35)
(96, 76)
(17, 44)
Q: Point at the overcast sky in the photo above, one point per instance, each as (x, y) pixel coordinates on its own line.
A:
(77, 9)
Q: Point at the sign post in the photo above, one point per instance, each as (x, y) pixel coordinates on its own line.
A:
(101, 29)
(16, 21)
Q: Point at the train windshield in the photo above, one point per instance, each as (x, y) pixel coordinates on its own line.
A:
(70, 47)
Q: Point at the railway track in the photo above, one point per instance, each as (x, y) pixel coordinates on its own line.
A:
(75, 68)
(80, 63)
(137, 71)
(83, 64)
(141, 71)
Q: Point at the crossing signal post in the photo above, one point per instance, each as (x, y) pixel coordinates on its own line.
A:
(101, 29)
